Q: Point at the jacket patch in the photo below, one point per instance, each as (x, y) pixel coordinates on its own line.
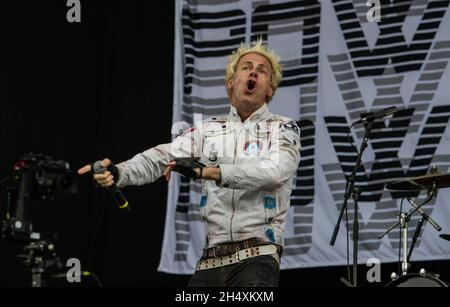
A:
(213, 154)
(203, 201)
(292, 126)
(252, 148)
(269, 202)
(270, 234)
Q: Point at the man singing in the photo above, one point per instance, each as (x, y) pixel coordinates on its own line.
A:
(246, 162)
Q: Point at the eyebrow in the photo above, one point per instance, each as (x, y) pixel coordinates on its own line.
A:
(251, 63)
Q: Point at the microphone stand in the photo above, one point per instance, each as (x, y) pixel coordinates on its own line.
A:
(351, 190)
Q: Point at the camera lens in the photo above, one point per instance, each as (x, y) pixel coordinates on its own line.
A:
(66, 182)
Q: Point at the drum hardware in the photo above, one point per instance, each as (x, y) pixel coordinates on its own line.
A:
(403, 222)
(423, 279)
(414, 238)
(431, 182)
(422, 273)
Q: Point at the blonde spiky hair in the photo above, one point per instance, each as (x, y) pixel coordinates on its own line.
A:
(259, 48)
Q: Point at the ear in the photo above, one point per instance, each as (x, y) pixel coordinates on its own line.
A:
(230, 84)
(269, 92)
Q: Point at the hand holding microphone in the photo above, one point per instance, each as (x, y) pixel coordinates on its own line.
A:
(105, 172)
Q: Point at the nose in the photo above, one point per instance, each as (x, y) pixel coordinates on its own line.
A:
(253, 74)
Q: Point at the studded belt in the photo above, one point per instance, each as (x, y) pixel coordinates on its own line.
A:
(238, 256)
(232, 247)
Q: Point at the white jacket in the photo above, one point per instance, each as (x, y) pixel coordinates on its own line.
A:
(258, 159)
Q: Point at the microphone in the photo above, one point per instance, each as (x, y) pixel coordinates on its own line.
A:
(115, 191)
(375, 115)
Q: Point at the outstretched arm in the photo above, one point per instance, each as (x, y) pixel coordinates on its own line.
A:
(148, 166)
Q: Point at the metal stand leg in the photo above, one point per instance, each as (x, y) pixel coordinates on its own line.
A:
(404, 228)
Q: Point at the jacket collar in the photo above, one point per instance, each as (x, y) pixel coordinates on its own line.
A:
(260, 113)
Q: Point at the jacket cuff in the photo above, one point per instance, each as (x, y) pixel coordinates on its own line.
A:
(121, 176)
(229, 178)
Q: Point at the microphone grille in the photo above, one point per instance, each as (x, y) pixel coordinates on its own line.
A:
(98, 167)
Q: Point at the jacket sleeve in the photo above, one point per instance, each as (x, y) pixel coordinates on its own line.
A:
(148, 166)
(272, 172)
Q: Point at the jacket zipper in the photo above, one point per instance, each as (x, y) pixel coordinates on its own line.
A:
(232, 195)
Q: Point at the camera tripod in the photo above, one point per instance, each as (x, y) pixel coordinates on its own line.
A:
(41, 258)
(36, 177)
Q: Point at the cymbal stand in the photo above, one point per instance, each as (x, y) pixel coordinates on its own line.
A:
(403, 222)
(425, 216)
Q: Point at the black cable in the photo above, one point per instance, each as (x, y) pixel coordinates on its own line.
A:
(350, 140)
(87, 273)
(348, 244)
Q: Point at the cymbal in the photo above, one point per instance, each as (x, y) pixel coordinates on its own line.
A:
(445, 237)
(422, 182)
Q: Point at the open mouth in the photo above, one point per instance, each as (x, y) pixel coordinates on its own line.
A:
(251, 86)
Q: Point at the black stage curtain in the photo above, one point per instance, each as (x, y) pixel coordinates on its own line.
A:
(84, 91)
(80, 92)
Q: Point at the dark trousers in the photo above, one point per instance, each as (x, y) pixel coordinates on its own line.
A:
(260, 271)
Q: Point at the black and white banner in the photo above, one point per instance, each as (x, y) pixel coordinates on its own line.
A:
(338, 63)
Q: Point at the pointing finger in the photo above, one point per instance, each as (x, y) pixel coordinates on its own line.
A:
(85, 169)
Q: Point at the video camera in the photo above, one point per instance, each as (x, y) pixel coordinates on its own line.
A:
(35, 177)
